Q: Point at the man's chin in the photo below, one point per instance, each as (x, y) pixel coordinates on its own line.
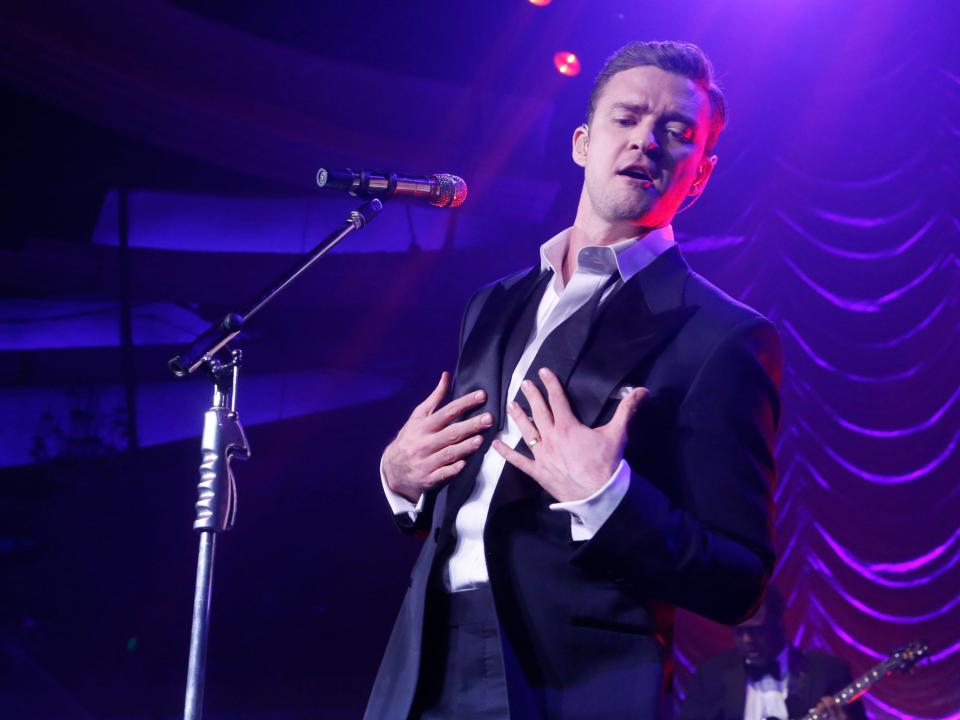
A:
(641, 214)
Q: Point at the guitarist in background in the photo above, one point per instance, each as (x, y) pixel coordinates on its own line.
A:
(765, 677)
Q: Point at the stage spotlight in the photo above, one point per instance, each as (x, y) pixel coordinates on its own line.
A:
(566, 63)
(540, 3)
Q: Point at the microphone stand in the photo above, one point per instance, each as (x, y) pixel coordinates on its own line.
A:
(224, 440)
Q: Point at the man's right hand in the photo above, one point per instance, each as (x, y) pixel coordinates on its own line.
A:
(431, 448)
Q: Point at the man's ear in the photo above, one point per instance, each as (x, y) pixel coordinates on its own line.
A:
(704, 170)
(581, 141)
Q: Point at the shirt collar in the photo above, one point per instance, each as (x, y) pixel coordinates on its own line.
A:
(627, 257)
(784, 659)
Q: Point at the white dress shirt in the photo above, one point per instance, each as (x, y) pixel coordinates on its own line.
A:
(767, 697)
(467, 566)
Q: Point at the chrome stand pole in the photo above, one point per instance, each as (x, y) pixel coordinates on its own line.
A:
(216, 511)
(224, 440)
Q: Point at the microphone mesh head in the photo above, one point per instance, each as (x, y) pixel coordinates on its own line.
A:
(453, 191)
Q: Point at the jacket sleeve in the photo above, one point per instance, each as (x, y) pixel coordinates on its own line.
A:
(418, 524)
(703, 699)
(711, 550)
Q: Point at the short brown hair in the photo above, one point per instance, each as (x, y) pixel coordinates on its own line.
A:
(681, 58)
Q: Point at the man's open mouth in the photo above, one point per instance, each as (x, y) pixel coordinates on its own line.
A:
(637, 174)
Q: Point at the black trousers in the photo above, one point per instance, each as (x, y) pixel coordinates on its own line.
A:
(461, 668)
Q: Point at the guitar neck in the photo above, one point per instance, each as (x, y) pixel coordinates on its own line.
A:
(901, 659)
(858, 687)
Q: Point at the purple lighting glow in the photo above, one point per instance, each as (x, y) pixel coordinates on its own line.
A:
(853, 255)
(930, 422)
(899, 619)
(889, 479)
(871, 571)
(805, 346)
(864, 222)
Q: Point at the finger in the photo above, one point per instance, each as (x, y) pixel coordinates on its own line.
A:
(521, 462)
(434, 398)
(830, 708)
(822, 708)
(452, 453)
(527, 429)
(625, 410)
(538, 406)
(442, 474)
(559, 405)
(459, 431)
(454, 409)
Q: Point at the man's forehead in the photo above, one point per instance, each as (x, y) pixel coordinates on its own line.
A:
(759, 618)
(649, 87)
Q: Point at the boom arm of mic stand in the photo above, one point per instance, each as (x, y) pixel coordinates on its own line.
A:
(219, 334)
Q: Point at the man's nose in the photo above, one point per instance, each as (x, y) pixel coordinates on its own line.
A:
(645, 139)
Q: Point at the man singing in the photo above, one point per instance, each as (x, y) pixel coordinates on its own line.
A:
(608, 452)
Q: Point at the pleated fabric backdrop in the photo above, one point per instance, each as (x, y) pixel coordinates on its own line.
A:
(861, 275)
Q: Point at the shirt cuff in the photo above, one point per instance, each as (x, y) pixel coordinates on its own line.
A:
(398, 503)
(588, 515)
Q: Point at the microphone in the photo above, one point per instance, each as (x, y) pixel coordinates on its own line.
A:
(443, 190)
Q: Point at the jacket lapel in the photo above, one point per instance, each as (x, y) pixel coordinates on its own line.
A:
(635, 323)
(734, 690)
(517, 342)
(798, 685)
(482, 357)
(624, 341)
(625, 335)
(480, 366)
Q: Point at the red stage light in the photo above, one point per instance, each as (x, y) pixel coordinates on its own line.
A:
(540, 3)
(566, 63)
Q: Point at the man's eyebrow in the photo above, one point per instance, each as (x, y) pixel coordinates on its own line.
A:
(631, 107)
(680, 117)
(641, 108)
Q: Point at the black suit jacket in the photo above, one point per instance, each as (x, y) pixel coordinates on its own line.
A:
(585, 626)
(718, 690)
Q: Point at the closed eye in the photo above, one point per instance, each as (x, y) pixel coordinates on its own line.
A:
(681, 134)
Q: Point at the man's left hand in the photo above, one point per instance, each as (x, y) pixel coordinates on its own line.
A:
(830, 710)
(570, 460)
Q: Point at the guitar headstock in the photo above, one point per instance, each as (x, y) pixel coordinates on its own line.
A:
(904, 658)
